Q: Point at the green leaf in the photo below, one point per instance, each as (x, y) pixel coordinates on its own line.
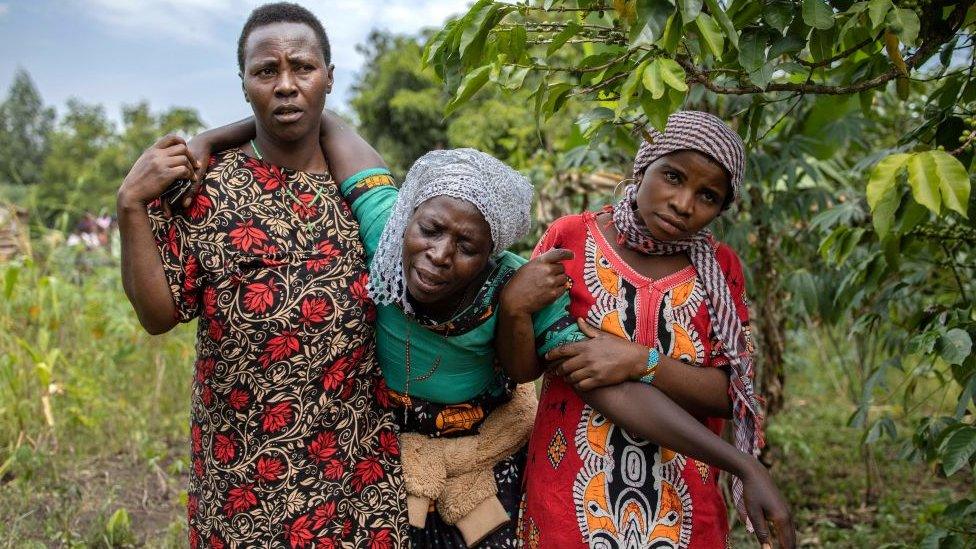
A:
(752, 51)
(10, 277)
(883, 177)
(509, 77)
(473, 22)
(787, 44)
(562, 37)
(924, 181)
(877, 9)
(965, 397)
(118, 526)
(653, 80)
(958, 449)
(592, 119)
(723, 19)
(651, 18)
(556, 95)
(945, 56)
(689, 9)
(904, 23)
(882, 192)
(763, 74)
(672, 33)
(822, 43)
(778, 15)
(935, 174)
(954, 184)
(711, 34)
(517, 39)
(817, 14)
(472, 82)
(804, 286)
(955, 346)
(630, 86)
(934, 540)
(673, 74)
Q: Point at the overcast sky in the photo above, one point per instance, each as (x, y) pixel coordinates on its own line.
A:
(175, 52)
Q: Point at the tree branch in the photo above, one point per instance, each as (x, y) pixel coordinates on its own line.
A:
(839, 56)
(928, 47)
(600, 7)
(597, 87)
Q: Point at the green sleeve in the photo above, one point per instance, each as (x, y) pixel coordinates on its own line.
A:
(371, 194)
(554, 326)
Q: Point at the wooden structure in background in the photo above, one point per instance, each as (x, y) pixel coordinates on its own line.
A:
(14, 238)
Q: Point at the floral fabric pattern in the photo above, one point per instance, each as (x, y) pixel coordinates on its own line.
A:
(289, 446)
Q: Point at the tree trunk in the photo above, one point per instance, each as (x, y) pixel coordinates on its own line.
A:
(771, 326)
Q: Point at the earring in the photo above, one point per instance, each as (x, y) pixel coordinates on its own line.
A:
(619, 183)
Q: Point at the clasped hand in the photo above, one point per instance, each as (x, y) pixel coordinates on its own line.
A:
(601, 360)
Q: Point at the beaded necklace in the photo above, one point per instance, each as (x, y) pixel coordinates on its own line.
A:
(437, 361)
(307, 225)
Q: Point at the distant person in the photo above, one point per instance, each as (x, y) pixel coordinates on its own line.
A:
(289, 447)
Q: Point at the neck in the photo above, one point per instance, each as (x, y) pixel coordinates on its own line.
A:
(303, 154)
(443, 311)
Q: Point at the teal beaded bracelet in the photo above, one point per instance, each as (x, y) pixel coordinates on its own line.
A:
(653, 357)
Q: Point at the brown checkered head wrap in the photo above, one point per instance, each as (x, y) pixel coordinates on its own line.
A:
(703, 132)
(696, 131)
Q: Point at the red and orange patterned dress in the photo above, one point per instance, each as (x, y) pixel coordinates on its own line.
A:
(589, 483)
(289, 446)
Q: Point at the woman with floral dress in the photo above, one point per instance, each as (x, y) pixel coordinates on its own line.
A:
(289, 447)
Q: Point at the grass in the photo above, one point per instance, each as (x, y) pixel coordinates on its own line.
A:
(840, 495)
(93, 412)
(94, 427)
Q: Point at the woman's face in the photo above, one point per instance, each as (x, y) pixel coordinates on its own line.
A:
(681, 193)
(446, 246)
(286, 79)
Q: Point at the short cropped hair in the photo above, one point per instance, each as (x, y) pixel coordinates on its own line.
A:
(282, 12)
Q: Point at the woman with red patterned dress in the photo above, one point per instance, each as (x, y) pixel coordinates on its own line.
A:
(669, 301)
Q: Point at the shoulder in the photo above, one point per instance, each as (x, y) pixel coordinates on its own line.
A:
(509, 260)
(731, 265)
(727, 257)
(220, 160)
(568, 225)
(565, 232)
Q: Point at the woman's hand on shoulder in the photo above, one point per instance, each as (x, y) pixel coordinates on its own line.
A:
(537, 284)
(155, 170)
(200, 149)
(603, 359)
(766, 507)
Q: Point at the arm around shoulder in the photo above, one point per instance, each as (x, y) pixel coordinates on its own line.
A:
(347, 152)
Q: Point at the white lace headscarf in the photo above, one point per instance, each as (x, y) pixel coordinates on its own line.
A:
(501, 194)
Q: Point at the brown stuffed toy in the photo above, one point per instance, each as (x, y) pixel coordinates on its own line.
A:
(457, 473)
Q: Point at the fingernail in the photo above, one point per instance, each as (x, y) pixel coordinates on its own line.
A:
(767, 546)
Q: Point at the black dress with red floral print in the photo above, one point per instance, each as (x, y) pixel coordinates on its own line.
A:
(289, 444)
